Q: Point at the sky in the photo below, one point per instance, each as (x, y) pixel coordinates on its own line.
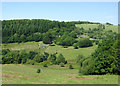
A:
(62, 11)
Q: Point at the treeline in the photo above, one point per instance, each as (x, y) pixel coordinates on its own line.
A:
(105, 59)
(61, 33)
(38, 29)
(23, 57)
(11, 29)
(84, 22)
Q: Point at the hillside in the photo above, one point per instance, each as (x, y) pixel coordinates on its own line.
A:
(76, 52)
(69, 53)
(114, 28)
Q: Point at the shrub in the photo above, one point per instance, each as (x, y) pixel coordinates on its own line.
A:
(51, 45)
(38, 70)
(96, 42)
(83, 71)
(60, 59)
(75, 46)
(45, 65)
(5, 51)
(32, 62)
(62, 64)
(52, 58)
(65, 46)
(71, 67)
(79, 58)
(84, 43)
(38, 58)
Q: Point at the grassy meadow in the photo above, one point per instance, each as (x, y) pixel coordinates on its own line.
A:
(114, 28)
(69, 53)
(26, 74)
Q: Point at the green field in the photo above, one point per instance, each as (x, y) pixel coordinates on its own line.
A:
(114, 28)
(69, 53)
(26, 74)
(27, 46)
(87, 26)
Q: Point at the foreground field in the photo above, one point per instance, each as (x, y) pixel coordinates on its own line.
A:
(26, 74)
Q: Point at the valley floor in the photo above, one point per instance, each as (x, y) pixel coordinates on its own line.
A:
(53, 74)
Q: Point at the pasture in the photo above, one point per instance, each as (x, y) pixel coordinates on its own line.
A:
(53, 74)
(69, 53)
(114, 28)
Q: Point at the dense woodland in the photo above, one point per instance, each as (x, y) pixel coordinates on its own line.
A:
(42, 30)
(103, 61)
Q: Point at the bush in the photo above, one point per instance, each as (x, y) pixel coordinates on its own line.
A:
(45, 65)
(62, 64)
(71, 67)
(51, 45)
(38, 58)
(75, 46)
(84, 43)
(65, 40)
(52, 58)
(65, 46)
(96, 42)
(5, 51)
(79, 58)
(38, 70)
(83, 71)
(32, 62)
(60, 59)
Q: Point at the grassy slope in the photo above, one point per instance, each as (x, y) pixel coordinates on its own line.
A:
(69, 53)
(87, 26)
(27, 46)
(26, 74)
(114, 28)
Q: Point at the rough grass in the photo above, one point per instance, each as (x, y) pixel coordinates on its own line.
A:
(27, 46)
(87, 26)
(70, 53)
(26, 74)
(114, 28)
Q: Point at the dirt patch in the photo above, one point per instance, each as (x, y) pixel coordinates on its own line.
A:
(70, 74)
(89, 78)
(0, 74)
(8, 75)
(82, 78)
(17, 76)
(41, 83)
(35, 76)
